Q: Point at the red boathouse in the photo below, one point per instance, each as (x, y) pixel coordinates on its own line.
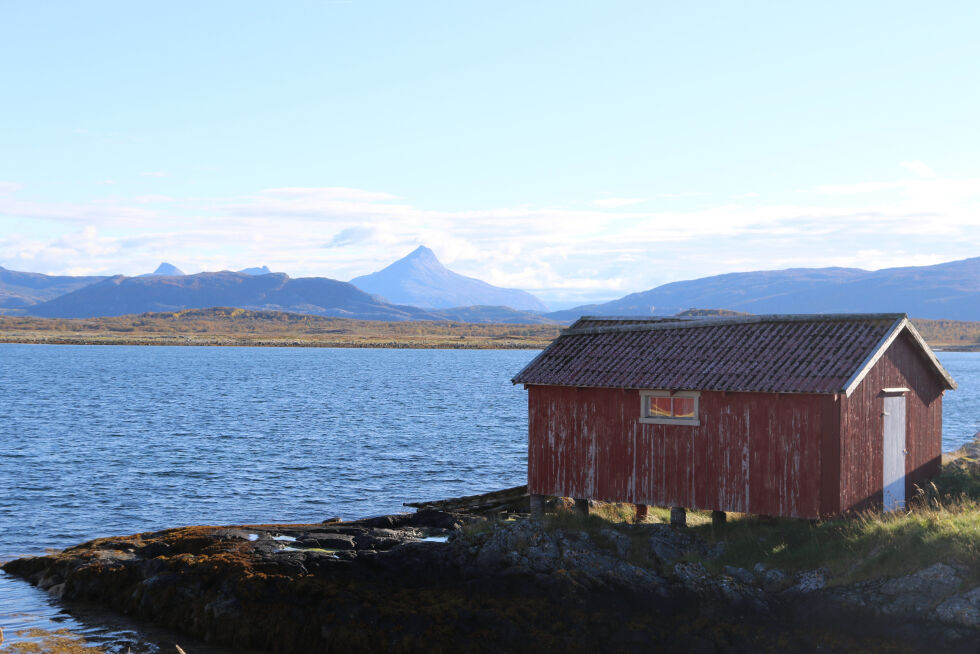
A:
(802, 416)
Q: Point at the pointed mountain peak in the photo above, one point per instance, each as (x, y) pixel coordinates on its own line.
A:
(167, 269)
(420, 279)
(422, 253)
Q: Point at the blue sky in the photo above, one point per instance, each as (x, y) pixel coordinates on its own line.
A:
(578, 150)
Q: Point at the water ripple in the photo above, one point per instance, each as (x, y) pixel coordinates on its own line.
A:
(97, 441)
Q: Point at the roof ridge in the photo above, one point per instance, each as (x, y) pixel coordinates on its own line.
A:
(785, 353)
(686, 322)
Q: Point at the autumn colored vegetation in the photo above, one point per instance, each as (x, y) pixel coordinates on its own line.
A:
(228, 326)
(950, 334)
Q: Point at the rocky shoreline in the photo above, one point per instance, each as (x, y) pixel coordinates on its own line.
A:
(443, 581)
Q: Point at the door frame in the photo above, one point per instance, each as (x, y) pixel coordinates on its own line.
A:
(894, 448)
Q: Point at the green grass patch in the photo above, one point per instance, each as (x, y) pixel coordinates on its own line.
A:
(479, 527)
(941, 525)
(602, 515)
(871, 544)
(960, 478)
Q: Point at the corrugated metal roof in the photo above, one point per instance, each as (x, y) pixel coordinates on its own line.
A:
(784, 353)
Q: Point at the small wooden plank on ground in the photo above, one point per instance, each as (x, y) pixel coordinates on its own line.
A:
(500, 499)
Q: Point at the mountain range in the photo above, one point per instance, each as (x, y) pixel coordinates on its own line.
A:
(947, 290)
(418, 287)
(169, 289)
(170, 270)
(19, 290)
(119, 295)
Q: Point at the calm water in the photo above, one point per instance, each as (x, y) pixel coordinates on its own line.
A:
(97, 441)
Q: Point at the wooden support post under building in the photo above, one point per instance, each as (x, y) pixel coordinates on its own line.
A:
(718, 518)
(678, 516)
(581, 506)
(537, 505)
(641, 513)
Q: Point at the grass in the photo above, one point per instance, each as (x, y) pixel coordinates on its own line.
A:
(941, 525)
(868, 545)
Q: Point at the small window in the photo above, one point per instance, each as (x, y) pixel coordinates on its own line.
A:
(669, 408)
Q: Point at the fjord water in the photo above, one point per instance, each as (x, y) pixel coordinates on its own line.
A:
(102, 440)
(108, 440)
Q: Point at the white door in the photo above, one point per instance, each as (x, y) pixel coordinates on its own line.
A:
(894, 452)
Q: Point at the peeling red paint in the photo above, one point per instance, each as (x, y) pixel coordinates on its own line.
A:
(862, 425)
(804, 455)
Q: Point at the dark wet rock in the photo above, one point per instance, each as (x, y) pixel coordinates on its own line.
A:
(266, 547)
(809, 581)
(669, 544)
(386, 521)
(382, 539)
(721, 596)
(962, 609)
(693, 575)
(156, 549)
(429, 519)
(232, 534)
(124, 546)
(327, 541)
(931, 583)
(621, 543)
(775, 580)
(920, 592)
(378, 585)
(739, 574)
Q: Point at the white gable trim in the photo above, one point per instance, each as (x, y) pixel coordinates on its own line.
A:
(951, 384)
(879, 351)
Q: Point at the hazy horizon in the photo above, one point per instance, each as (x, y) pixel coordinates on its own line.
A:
(579, 153)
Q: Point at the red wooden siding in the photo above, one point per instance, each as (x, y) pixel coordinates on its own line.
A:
(902, 365)
(753, 452)
(777, 435)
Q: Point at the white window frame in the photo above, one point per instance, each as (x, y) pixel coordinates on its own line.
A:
(647, 419)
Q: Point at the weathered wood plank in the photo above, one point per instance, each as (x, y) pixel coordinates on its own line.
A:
(483, 501)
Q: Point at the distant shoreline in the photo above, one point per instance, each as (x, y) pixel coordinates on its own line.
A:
(196, 341)
(231, 327)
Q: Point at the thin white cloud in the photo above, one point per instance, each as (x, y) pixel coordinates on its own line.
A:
(89, 213)
(349, 236)
(612, 203)
(864, 187)
(918, 168)
(558, 252)
(330, 193)
(10, 187)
